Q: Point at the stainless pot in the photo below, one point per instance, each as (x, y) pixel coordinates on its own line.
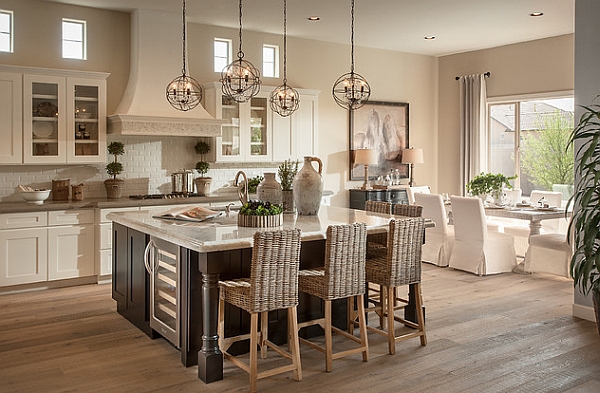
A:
(182, 182)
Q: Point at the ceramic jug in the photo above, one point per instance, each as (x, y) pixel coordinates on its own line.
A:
(269, 190)
(308, 187)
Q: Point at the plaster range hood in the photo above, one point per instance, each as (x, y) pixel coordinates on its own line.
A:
(156, 61)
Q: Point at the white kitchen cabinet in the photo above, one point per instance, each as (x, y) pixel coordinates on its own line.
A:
(42, 246)
(11, 118)
(103, 236)
(253, 132)
(52, 116)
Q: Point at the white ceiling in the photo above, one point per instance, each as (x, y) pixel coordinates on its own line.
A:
(399, 25)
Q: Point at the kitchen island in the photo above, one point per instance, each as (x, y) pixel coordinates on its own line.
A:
(216, 249)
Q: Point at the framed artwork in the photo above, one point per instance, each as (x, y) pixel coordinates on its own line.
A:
(382, 126)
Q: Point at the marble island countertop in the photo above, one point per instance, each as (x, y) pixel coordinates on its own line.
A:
(222, 233)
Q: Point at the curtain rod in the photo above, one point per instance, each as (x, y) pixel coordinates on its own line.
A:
(485, 74)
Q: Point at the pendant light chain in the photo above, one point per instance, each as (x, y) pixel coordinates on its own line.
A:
(284, 100)
(352, 39)
(184, 92)
(184, 36)
(240, 54)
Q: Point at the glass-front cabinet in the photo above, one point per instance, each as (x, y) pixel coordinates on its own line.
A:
(64, 119)
(253, 132)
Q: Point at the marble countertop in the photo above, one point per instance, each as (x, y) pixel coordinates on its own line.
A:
(222, 233)
(104, 203)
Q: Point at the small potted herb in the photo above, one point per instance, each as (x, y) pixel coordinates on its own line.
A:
(203, 182)
(287, 171)
(114, 186)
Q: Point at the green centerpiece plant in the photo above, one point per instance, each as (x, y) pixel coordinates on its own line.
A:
(260, 214)
(253, 183)
(490, 184)
(585, 224)
(114, 186)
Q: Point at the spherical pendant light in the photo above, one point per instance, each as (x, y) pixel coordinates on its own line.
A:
(184, 92)
(240, 80)
(351, 90)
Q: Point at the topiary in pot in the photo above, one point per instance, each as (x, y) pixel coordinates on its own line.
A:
(585, 262)
(114, 186)
(287, 171)
(203, 182)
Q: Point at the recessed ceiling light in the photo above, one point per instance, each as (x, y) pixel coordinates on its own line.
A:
(313, 18)
(536, 14)
(429, 37)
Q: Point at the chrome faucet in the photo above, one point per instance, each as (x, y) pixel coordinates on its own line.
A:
(242, 188)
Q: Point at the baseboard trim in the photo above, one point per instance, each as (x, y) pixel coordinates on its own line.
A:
(584, 312)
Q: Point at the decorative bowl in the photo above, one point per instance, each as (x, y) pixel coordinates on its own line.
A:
(260, 221)
(36, 197)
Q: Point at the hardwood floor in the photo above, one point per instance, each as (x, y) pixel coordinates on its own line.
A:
(501, 333)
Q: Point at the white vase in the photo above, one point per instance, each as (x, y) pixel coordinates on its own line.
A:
(269, 190)
(308, 187)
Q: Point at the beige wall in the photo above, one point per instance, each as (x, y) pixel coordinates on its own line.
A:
(37, 42)
(531, 67)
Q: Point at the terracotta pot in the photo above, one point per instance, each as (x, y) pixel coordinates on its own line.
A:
(203, 185)
(269, 190)
(114, 188)
(308, 187)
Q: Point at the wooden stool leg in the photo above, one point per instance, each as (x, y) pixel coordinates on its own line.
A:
(362, 324)
(264, 333)
(351, 315)
(294, 343)
(253, 351)
(382, 296)
(390, 317)
(328, 338)
(420, 316)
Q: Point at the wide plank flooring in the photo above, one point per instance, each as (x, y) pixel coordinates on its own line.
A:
(501, 333)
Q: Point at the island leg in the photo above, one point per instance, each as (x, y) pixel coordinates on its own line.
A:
(210, 357)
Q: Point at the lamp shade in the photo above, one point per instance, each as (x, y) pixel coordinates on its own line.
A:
(412, 156)
(365, 156)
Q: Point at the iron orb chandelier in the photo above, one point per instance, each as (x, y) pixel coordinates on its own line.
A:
(351, 91)
(184, 93)
(284, 100)
(240, 80)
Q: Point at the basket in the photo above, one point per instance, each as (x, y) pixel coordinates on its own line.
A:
(260, 221)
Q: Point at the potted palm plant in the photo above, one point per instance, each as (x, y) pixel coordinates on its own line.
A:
(114, 186)
(489, 184)
(586, 207)
(287, 171)
(203, 182)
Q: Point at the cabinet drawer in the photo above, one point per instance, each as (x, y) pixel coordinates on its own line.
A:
(71, 217)
(23, 220)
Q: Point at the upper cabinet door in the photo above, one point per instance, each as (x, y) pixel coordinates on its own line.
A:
(44, 119)
(86, 124)
(11, 118)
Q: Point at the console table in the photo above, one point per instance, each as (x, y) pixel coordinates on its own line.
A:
(358, 197)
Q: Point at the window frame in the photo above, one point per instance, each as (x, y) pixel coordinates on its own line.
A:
(516, 100)
(274, 66)
(83, 41)
(229, 53)
(10, 32)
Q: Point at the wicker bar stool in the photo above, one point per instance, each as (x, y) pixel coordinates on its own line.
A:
(343, 276)
(408, 210)
(273, 285)
(400, 266)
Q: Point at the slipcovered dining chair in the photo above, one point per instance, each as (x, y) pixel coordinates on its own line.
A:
(411, 191)
(400, 265)
(342, 277)
(273, 285)
(439, 239)
(520, 231)
(476, 249)
(549, 253)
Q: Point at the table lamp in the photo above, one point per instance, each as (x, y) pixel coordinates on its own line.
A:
(412, 156)
(365, 157)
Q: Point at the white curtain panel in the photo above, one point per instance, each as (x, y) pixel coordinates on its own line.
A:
(473, 138)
